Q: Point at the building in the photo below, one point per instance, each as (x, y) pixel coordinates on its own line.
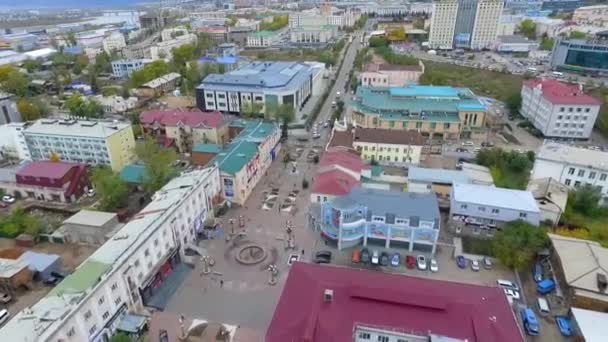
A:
(128, 272)
(437, 181)
(81, 141)
(579, 55)
(113, 42)
(217, 33)
(590, 324)
(390, 75)
(479, 174)
(124, 68)
(489, 206)
(259, 83)
(392, 219)
(42, 265)
(89, 227)
(514, 44)
(591, 15)
(582, 264)
(572, 166)
(559, 109)
(115, 104)
(239, 35)
(8, 106)
(245, 161)
(12, 141)
(184, 129)
(339, 172)
(160, 86)
(261, 39)
(14, 274)
(322, 303)
(153, 20)
(318, 18)
(441, 112)
(523, 6)
(551, 198)
(390, 147)
(21, 41)
(164, 49)
(312, 35)
(465, 24)
(561, 5)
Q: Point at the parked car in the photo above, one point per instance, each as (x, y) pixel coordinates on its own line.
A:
(8, 199)
(434, 266)
(462, 150)
(91, 192)
(421, 262)
(487, 263)
(475, 265)
(563, 324)
(537, 272)
(410, 261)
(365, 257)
(5, 298)
(384, 259)
(545, 286)
(487, 144)
(4, 316)
(507, 284)
(468, 143)
(543, 306)
(51, 281)
(355, 256)
(512, 293)
(322, 257)
(395, 260)
(461, 261)
(530, 322)
(476, 150)
(375, 257)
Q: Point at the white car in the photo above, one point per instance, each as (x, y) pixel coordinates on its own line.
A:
(338, 93)
(8, 199)
(467, 143)
(421, 262)
(512, 293)
(475, 265)
(434, 266)
(91, 192)
(375, 258)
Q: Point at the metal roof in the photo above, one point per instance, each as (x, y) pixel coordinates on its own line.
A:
(90, 218)
(572, 155)
(422, 174)
(592, 324)
(495, 197)
(76, 128)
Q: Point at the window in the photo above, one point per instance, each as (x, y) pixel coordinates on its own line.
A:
(155, 242)
(603, 177)
(391, 124)
(523, 215)
(383, 338)
(71, 332)
(592, 175)
(93, 329)
(463, 206)
(117, 301)
(378, 219)
(365, 148)
(146, 252)
(101, 300)
(561, 109)
(364, 336)
(559, 117)
(495, 211)
(87, 315)
(482, 209)
(581, 173)
(567, 182)
(586, 110)
(105, 315)
(571, 171)
(418, 124)
(577, 184)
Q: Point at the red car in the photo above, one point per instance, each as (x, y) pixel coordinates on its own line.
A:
(410, 261)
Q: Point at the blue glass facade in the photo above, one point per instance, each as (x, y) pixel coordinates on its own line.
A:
(581, 55)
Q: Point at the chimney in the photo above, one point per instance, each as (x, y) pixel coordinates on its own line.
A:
(602, 282)
(328, 295)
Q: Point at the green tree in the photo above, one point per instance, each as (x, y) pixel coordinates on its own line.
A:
(397, 34)
(70, 39)
(80, 63)
(546, 43)
(158, 164)
(251, 109)
(182, 55)
(527, 27)
(378, 41)
(585, 200)
(103, 63)
(15, 83)
(83, 108)
(17, 222)
(149, 72)
(577, 35)
(284, 114)
(93, 82)
(514, 102)
(517, 243)
(31, 65)
(29, 110)
(112, 191)
(277, 23)
(120, 337)
(192, 77)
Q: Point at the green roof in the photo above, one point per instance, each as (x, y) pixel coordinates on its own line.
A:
(257, 130)
(236, 156)
(85, 277)
(263, 33)
(207, 148)
(133, 173)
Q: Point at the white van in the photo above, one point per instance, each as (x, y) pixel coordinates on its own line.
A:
(4, 315)
(543, 306)
(507, 284)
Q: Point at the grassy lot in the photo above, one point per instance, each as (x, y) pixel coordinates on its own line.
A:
(472, 245)
(509, 169)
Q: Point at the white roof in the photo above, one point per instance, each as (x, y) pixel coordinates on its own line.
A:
(478, 174)
(40, 53)
(90, 218)
(495, 197)
(10, 267)
(157, 82)
(581, 261)
(83, 128)
(592, 324)
(572, 155)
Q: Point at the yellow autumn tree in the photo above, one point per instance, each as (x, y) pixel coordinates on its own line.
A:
(54, 157)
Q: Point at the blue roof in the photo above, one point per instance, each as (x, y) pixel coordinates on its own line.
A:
(227, 60)
(276, 75)
(421, 174)
(207, 148)
(133, 173)
(236, 156)
(257, 130)
(73, 50)
(38, 262)
(425, 91)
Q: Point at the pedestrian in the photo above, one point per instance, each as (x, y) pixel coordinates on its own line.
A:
(302, 252)
(221, 283)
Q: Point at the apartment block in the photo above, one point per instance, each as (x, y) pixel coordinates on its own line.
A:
(261, 39)
(113, 42)
(90, 142)
(559, 109)
(390, 75)
(124, 68)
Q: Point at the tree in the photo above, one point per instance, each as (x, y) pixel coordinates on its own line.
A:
(285, 114)
(93, 80)
(397, 34)
(514, 102)
(103, 63)
(83, 108)
(546, 43)
(31, 65)
(527, 27)
(70, 39)
(251, 109)
(54, 157)
(277, 23)
(149, 72)
(192, 77)
(378, 41)
(517, 243)
(80, 63)
(15, 83)
(585, 200)
(157, 163)
(111, 190)
(577, 35)
(19, 221)
(182, 55)
(29, 110)
(120, 337)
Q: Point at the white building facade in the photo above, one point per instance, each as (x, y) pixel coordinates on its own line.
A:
(113, 42)
(141, 254)
(443, 22)
(261, 39)
(12, 141)
(124, 68)
(573, 166)
(559, 109)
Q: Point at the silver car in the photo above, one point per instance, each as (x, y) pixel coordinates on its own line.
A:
(475, 265)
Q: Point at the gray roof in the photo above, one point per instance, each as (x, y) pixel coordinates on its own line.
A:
(495, 197)
(391, 204)
(263, 75)
(422, 174)
(81, 128)
(90, 218)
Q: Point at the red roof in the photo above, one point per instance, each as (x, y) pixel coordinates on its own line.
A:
(46, 169)
(391, 301)
(213, 29)
(348, 160)
(171, 118)
(558, 92)
(334, 182)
